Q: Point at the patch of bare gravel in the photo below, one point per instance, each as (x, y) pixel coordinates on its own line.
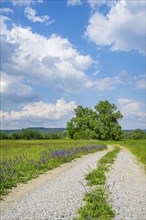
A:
(127, 184)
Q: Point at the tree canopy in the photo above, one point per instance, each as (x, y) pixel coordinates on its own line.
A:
(138, 134)
(99, 124)
(3, 135)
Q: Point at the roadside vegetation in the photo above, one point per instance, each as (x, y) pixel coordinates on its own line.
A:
(23, 160)
(137, 147)
(96, 200)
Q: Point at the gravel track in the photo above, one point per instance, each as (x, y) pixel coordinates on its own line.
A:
(127, 184)
(58, 194)
(58, 198)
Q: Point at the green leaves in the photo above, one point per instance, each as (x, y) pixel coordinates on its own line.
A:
(97, 207)
(30, 134)
(138, 134)
(104, 107)
(100, 124)
(3, 135)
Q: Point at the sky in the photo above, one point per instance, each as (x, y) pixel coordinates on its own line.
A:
(58, 54)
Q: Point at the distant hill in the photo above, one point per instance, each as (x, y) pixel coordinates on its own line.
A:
(41, 129)
(130, 131)
(51, 130)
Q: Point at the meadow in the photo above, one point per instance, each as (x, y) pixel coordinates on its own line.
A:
(23, 160)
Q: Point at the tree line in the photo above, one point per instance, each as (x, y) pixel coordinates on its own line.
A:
(101, 123)
(36, 135)
(30, 134)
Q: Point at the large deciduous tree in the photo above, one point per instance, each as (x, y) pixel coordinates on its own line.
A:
(99, 124)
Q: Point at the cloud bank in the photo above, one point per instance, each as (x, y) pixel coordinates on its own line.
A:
(31, 58)
(122, 29)
(39, 111)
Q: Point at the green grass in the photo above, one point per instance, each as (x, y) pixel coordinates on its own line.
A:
(22, 160)
(97, 206)
(137, 147)
(97, 176)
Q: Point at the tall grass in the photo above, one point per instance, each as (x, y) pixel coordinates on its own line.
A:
(23, 160)
(137, 147)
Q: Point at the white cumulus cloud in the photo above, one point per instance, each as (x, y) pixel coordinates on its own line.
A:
(31, 15)
(107, 83)
(98, 3)
(6, 10)
(31, 59)
(25, 2)
(46, 113)
(122, 29)
(129, 107)
(41, 59)
(15, 90)
(94, 3)
(74, 2)
(133, 112)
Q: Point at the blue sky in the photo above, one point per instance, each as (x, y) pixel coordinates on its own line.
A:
(56, 55)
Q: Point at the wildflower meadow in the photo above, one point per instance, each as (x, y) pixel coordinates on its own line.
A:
(23, 160)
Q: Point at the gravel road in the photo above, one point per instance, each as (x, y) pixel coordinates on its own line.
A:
(127, 184)
(57, 194)
(57, 198)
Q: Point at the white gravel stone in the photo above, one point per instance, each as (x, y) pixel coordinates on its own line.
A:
(127, 184)
(58, 199)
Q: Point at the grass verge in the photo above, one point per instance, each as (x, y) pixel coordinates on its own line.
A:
(137, 147)
(21, 161)
(96, 206)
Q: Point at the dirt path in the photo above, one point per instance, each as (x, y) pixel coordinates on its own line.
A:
(127, 185)
(57, 194)
(54, 195)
